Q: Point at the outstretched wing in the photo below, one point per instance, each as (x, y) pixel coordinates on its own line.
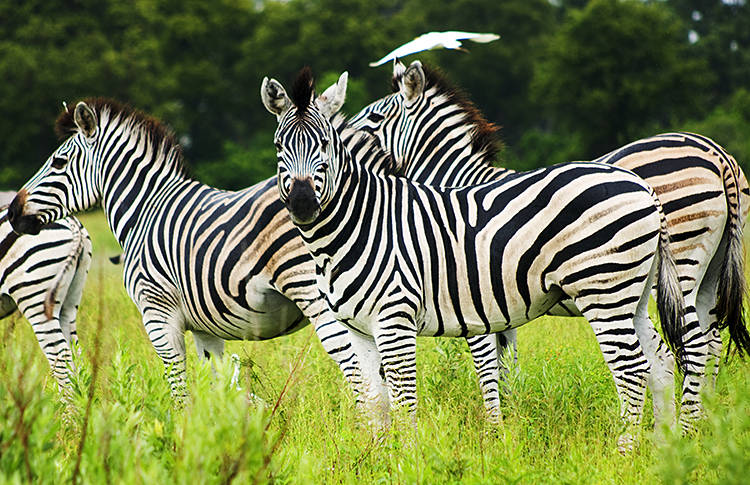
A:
(473, 36)
(434, 40)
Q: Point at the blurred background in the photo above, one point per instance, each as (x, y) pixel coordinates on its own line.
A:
(568, 80)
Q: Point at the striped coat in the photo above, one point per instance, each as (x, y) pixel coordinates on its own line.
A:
(223, 265)
(439, 137)
(43, 277)
(397, 259)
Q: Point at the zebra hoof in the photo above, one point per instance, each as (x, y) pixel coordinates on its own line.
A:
(625, 444)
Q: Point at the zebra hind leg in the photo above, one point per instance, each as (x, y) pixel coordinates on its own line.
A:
(615, 331)
(696, 357)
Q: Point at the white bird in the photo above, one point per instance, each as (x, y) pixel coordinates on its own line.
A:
(436, 40)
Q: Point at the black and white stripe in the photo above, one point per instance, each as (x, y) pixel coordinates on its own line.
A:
(43, 277)
(438, 137)
(397, 259)
(224, 265)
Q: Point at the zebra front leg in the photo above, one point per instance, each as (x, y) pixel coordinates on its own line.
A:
(169, 342)
(396, 341)
(373, 396)
(336, 340)
(489, 353)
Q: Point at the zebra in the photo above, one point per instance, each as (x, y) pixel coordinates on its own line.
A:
(438, 137)
(43, 276)
(223, 265)
(383, 244)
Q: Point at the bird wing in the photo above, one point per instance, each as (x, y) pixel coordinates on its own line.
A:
(418, 44)
(482, 38)
(432, 40)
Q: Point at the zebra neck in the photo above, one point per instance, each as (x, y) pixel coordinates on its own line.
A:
(133, 191)
(442, 148)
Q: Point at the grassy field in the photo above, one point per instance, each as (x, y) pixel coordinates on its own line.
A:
(560, 420)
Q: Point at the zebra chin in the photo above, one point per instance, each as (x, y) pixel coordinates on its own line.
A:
(305, 220)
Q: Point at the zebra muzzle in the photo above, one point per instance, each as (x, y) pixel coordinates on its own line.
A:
(20, 222)
(302, 203)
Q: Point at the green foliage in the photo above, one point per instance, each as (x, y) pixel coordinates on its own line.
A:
(729, 124)
(560, 414)
(569, 79)
(617, 69)
(718, 453)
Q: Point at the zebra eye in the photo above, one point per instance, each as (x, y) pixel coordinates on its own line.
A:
(278, 146)
(375, 117)
(324, 144)
(58, 162)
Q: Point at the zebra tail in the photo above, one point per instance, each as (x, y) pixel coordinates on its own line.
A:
(670, 302)
(70, 260)
(730, 303)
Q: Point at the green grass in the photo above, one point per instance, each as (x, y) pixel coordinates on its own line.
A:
(560, 421)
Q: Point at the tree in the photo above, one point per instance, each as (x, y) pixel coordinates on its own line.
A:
(618, 70)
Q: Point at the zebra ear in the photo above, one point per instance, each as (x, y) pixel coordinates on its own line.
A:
(274, 97)
(85, 119)
(330, 102)
(398, 68)
(412, 84)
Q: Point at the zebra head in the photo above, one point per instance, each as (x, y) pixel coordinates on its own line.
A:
(61, 185)
(307, 146)
(390, 119)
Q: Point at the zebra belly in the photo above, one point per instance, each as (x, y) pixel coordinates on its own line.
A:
(272, 315)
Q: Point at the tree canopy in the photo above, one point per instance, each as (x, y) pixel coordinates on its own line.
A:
(569, 79)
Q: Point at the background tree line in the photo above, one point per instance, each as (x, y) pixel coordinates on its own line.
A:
(568, 80)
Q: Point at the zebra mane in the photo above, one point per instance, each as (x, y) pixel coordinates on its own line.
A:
(160, 135)
(485, 137)
(302, 90)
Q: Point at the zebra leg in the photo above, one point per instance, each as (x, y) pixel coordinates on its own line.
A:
(55, 346)
(336, 340)
(661, 377)
(168, 338)
(625, 358)
(489, 353)
(373, 396)
(72, 298)
(707, 310)
(396, 341)
(696, 356)
(208, 345)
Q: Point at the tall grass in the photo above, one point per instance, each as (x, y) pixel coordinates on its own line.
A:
(295, 422)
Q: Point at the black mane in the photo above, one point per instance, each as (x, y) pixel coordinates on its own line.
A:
(160, 135)
(302, 89)
(486, 135)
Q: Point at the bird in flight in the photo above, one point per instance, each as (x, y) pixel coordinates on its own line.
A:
(436, 40)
